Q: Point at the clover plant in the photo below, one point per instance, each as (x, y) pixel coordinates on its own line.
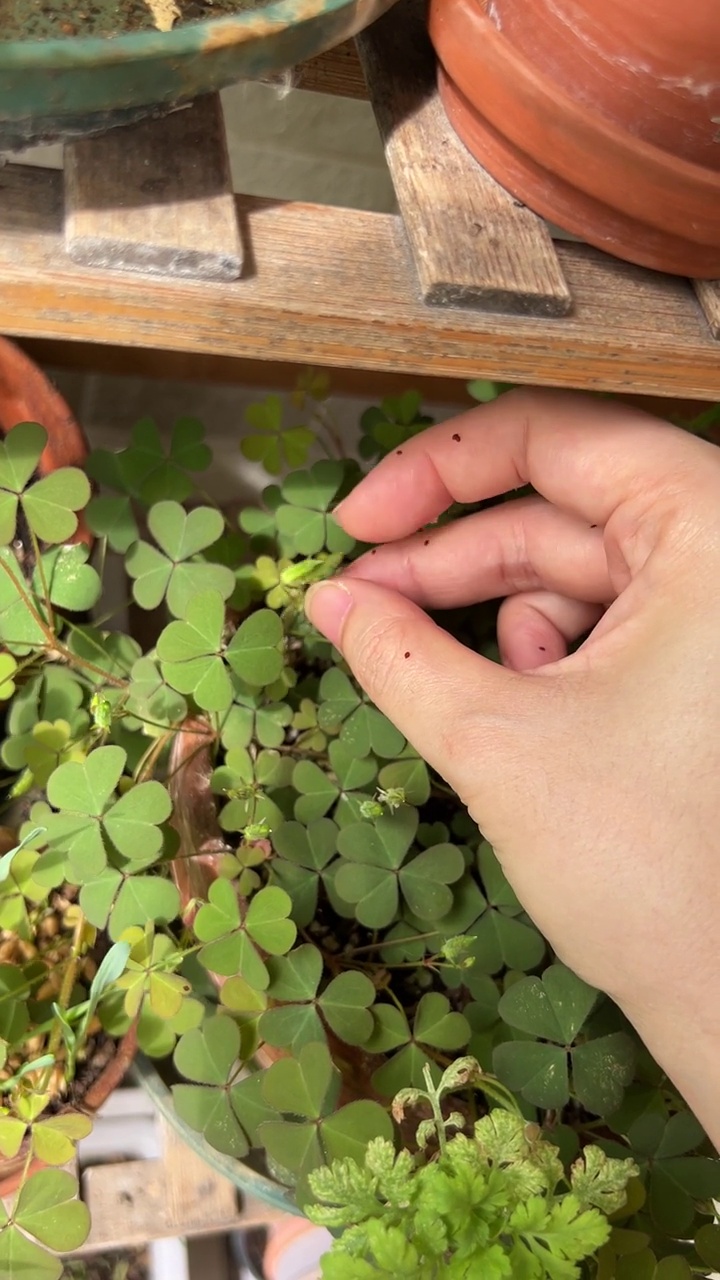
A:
(216, 844)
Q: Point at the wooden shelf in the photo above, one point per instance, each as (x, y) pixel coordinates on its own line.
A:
(461, 283)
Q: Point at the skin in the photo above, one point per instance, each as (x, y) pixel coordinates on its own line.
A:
(595, 776)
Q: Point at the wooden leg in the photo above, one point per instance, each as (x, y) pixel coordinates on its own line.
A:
(155, 197)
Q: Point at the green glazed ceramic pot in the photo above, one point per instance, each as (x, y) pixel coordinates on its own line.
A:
(71, 86)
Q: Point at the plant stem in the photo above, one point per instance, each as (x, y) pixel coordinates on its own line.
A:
(66, 989)
(323, 420)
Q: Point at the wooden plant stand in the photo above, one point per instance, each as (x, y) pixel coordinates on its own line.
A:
(143, 243)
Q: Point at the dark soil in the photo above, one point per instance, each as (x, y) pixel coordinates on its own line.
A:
(51, 19)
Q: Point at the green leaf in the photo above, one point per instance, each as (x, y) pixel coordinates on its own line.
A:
(436, 1025)
(707, 1243)
(267, 920)
(553, 1007)
(410, 775)
(113, 518)
(295, 977)
(54, 1140)
(317, 792)
(51, 503)
(20, 612)
(424, 881)
(601, 1071)
(181, 535)
(291, 1026)
(390, 1031)
(8, 667)
(12, 1132)
(143, 900)
(210, 1112)
(537, 1071)
(71, 582)
(190, 653)
(133, 821)
(346, 1134)
(21, 1259)
(207, 1054)
(307, 1086)
(346, 1003)
(220, 914)
(19, 456)
(255, 653)
(87, 788)
(47, 1209)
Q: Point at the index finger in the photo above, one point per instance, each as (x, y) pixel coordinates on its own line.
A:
(586, 456)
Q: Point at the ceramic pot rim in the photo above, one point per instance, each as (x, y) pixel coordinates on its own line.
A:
(456, 24)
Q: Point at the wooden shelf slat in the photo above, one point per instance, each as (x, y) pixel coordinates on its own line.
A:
(335, 287)
(155, 197)
(473, 245)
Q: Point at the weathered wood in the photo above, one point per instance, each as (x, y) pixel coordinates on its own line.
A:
(708, 293)
(177, 1194)
(473, 244)
(337, 72)
(335, 287)
(155, 197)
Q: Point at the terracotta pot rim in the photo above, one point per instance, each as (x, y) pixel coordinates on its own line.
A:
(453, 22)
(597, 224)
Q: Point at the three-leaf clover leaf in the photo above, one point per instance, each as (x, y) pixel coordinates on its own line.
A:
(71, 582)
(435, 1025)
(362, 727)
(47, 1215)
(233, 943)
(555, 1009)
(396, 420)
(302, 852)
(117, 900)
(49, 504)
(252, 719)
(145, 471)
(271, 444)
(344, 1003)
(305, 1090)
(504, 938)
(91, 823)
(349, 784)
(222, 1105)
(675, 1177)
(376, 870)
(303, 523)
(175, 571)
(23, 617)
(249, 782)
(150, 974)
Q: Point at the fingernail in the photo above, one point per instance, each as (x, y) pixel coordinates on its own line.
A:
(326, 604)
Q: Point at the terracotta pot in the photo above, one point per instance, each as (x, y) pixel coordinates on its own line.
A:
(26, 395)
(119, 1060)
(598, 114)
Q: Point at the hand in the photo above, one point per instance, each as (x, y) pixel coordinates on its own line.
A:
(595, 776)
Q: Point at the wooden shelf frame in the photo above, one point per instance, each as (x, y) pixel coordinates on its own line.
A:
(340, 288)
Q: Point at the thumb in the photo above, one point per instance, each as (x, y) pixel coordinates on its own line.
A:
(467, 716)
